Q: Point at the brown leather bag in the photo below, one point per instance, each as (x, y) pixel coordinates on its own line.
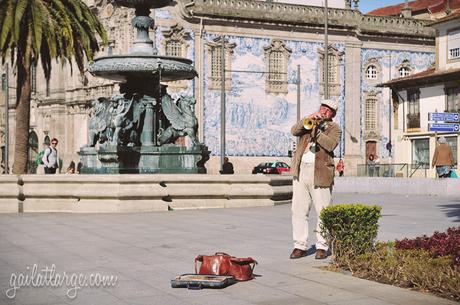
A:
(223, 264)
(217, 264)
(242, 268)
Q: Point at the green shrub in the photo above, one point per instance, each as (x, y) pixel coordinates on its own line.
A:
(350, 229)
(415, 268)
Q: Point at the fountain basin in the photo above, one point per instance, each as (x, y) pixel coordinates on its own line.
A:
(124, 67)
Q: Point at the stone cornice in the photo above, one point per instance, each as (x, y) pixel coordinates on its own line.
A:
(251, 11)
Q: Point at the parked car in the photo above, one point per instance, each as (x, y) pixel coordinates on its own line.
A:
(275, 167)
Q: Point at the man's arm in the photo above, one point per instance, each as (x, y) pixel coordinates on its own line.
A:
(329, 141)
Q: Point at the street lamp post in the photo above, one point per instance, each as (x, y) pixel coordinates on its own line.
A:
(7, 100)
(222, 106)
(326, 53)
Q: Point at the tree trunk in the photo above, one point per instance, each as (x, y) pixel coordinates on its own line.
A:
(23, 93)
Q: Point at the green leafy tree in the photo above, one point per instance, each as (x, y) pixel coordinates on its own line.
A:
(32, 30)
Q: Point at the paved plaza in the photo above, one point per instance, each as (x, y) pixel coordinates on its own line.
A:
(146, 250)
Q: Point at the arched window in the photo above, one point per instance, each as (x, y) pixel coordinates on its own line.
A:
(371, 72)
(404, 71)
(33, 152)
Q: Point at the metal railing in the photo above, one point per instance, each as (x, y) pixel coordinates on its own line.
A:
(392, 170)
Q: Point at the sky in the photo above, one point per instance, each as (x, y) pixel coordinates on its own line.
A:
(369, 5)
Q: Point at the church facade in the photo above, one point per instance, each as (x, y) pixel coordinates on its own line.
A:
(273, 53)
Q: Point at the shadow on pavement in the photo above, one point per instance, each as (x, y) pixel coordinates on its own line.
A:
(452, 210)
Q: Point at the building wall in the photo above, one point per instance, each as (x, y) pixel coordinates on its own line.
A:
(258, 124)
(444, 63)
(432, 99)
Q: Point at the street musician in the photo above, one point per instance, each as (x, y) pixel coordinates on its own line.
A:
(312, 168)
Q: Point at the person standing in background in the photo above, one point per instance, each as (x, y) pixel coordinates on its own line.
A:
(51, 158)
(443, 158)
(340, 167)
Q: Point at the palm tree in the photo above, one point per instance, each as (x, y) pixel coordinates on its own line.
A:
(44, 30)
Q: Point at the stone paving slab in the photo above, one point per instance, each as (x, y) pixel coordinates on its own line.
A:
(146, 250)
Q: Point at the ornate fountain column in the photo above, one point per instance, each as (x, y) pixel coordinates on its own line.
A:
(126, 136)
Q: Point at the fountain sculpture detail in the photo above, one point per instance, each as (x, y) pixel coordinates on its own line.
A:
(135, 131)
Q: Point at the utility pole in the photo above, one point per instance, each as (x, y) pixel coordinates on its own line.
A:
(390, 112)
(326, 53)
(7, 132)
(298, 93)
(222, 106)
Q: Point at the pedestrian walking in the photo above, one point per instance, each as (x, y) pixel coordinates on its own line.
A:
(443, 159)
(51, 158)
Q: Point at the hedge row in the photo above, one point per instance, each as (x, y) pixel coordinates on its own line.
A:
(428, 263)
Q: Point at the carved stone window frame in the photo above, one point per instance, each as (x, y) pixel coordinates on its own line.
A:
(214, 72)
(372, 134)
(375, 63)
(277, 83)
(405, 64)
(176, 34)
(335, 58)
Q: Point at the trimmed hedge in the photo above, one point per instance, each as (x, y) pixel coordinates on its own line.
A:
(350, 229)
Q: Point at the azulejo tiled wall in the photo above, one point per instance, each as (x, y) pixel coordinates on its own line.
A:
(258, 124)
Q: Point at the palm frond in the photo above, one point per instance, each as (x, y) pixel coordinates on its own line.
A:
(7, 24)
(19, 12)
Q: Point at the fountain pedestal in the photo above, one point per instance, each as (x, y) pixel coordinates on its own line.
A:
(137, 129)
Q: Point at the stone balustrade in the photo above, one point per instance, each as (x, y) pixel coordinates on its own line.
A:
(139, 193)
(303, 15)
(9, 193)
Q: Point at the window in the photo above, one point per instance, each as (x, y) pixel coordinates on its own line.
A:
(452, 99)
(333, 70)
(371, 72)
(452, 141)
(371, 114)
(276, 58)
(175, 43)
(173, 48)
(404, 71)
(421, 152)
(33, 78)
(453, 44)
(214, 49)
(413, 117)
(4, 78)
(47, 92)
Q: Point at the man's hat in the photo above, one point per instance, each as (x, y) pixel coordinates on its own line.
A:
(331, 104)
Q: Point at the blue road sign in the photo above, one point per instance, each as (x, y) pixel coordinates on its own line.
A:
(443, 127)
(443, 116)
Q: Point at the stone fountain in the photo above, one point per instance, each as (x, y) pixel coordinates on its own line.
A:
(135, 131)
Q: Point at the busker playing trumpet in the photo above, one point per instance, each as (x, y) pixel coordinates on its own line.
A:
(313, 174)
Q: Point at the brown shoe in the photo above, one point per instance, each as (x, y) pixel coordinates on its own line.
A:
(321, 254)
(297, 253)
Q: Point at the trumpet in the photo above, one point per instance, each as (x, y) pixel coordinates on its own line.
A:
(309, 123)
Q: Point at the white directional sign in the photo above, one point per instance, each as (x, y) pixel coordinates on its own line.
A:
(443, 127)
(443, 116)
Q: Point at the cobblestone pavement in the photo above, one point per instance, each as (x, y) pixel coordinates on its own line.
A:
(146, 250)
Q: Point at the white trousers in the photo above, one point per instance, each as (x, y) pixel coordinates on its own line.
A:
(304, 196)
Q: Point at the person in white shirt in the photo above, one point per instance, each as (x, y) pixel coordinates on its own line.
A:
(51, 158)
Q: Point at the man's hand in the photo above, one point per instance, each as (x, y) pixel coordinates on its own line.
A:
(316, 116)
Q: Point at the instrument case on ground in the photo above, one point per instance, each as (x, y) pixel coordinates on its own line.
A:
(200, 281)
